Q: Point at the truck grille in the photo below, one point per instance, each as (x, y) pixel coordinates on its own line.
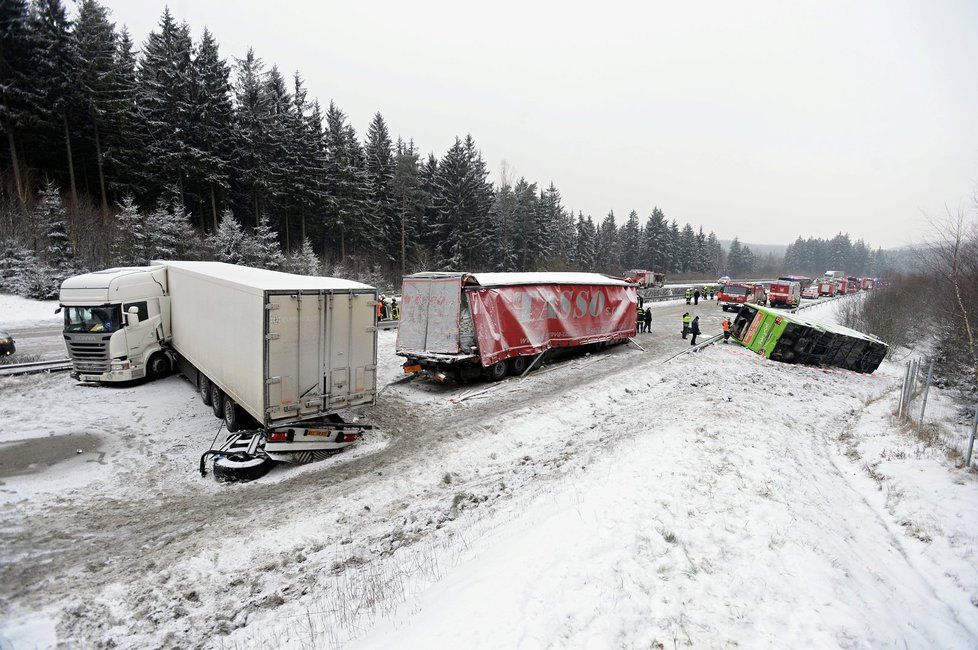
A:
(89, 352)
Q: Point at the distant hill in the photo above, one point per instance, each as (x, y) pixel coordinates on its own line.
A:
(759, 249)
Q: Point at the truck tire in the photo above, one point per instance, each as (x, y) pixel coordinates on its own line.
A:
(158, 366)
(517, 365)
(232, 415)
(204, 388)
(497, 371)
(228, 469)
(217, 401)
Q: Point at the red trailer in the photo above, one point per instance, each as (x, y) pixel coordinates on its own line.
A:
(464, 324)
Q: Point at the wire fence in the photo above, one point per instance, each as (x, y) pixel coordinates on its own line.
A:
(917, 378)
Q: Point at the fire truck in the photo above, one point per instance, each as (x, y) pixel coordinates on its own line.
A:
(645, 279)
(784, 294)
(735, 294)
(827, 288)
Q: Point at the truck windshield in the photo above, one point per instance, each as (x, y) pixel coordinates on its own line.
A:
(107, 318)
(735, 291)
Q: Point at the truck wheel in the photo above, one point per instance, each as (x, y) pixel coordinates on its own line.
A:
(517, 365)
(204, 388)
(497, 371)
(159, 366)
(240, 467)
(232, 415)
(217, 401)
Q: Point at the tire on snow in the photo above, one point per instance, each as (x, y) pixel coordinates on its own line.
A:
(241, 468)
(204, 388)
(517, 365)
(217, 401)
(497, 371)
(233, 415)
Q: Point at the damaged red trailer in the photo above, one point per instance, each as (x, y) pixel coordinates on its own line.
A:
(462, 325)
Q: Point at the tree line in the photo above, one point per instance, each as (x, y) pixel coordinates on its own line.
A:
(117, 156)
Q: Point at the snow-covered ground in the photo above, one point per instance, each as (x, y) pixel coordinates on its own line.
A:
(609, 501)
(17, 312)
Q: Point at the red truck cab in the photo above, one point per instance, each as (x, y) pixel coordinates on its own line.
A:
(785, 294)
(735, 294)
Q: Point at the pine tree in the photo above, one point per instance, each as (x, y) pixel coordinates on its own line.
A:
(409, 200)
(585, 253)
(304, 261)
(125, 160)
(59, 253)
(165, 87)
(631, 244)
(19, 92)
(227, 244)
(53, 71)
(212, 135)
(262, 248)
(129, 241)
(97, 83)
(379, 167)
(608, 246)
(655, 257)
(462, 201)
(687, 249)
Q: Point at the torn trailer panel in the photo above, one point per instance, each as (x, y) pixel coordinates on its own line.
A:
(469, 322)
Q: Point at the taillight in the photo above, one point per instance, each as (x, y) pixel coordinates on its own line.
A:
(278, 436)
(349, 437)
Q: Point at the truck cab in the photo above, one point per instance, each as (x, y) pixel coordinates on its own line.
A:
(735, 294)
(116, 323)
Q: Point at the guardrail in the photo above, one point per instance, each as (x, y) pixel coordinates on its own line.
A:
(34, 367)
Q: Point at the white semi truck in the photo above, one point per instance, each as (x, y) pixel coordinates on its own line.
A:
(276, 354)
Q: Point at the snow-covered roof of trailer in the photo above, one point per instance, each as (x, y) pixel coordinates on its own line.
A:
(509, 279)
(263, 279)
(512, 279)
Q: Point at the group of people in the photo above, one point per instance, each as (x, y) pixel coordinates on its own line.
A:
(644, 316)
(691, 326)
(388, 309)
(708, 293)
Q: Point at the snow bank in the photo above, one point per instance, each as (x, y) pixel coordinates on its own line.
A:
(17, 312)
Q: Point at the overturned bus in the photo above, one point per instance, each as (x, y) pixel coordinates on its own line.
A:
(790, 338)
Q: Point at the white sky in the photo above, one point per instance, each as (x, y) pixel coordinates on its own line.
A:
(764, 120)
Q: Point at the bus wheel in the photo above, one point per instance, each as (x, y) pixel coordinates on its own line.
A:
(517, 365)
(497, 371)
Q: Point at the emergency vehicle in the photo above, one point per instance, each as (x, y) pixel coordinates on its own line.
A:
(784, 294)
(827, 288)
(734, 294)
(645, 279)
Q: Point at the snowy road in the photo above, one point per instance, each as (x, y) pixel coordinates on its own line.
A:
(124, 543)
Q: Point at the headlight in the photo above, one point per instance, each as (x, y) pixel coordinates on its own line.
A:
(120, 365)
(4, 340)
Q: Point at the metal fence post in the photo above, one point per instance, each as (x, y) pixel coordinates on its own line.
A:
(971, 438)
(903, 390)
(923, 406)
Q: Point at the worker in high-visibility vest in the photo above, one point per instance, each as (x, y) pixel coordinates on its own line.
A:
(726, 329)
(706, 292)
(689, 295)
(640, 317)
(395, 309)
(687, 319)
(380, 308)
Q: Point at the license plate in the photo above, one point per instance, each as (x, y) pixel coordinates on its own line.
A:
(318, 432)
(415, 368)
(89, 377)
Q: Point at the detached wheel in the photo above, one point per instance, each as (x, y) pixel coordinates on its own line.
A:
(159, 366)
(497, 371)
(217, 401)
(517, 365)
(239, 467)
(204, 388)
(233, 419)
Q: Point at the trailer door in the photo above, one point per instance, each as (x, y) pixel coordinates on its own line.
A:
(320, 353)
(430, 315)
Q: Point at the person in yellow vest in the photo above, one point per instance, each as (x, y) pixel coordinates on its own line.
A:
(689, 295)
(706, 292)
(687, 319)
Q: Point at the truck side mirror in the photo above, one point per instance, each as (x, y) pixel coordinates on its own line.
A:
(132, 316)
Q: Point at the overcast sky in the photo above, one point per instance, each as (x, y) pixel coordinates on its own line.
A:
(764, 120)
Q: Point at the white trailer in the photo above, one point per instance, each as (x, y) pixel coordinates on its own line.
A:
(277, 354)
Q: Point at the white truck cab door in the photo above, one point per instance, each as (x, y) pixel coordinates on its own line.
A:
(142, 334)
